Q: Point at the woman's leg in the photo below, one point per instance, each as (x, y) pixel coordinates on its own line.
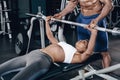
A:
(37, 65)
(12, 64)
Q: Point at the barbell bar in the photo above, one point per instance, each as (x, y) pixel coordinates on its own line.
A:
(40, 15)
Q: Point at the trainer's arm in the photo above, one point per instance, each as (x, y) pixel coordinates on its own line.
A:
(49, 33)
(91, 45)
(107, 7)
(69, 8)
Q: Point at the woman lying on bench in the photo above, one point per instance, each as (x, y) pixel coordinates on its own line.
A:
(37, 62)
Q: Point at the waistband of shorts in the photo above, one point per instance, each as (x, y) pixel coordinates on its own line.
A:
(92, 16)
(47, 56)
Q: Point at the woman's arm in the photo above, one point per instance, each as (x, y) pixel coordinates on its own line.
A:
(91, 45)
(48, 31)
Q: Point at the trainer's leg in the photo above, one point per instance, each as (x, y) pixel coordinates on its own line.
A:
(12, 64)
(106, 61)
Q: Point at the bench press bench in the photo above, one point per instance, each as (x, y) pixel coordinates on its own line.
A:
(58, 69)
(61, 68)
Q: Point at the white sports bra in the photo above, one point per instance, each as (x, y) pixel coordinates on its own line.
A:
(68, 50)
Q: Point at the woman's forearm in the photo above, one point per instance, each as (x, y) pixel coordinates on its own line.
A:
(92, 42)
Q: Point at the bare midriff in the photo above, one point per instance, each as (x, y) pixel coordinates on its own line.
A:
(55, 52)
(90, 7)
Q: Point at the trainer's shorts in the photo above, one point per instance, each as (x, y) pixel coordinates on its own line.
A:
(102, 37)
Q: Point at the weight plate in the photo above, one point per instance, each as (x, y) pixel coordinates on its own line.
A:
(21, 43)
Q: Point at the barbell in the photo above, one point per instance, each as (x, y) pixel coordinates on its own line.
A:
(40, 15)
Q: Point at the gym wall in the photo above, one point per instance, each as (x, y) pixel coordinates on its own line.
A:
(36, 3)
(51, 6)
(23, 7)
(30, 6)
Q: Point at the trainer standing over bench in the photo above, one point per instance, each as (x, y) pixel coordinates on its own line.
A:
(93, 12)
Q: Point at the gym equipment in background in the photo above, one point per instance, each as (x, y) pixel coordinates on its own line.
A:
(23, 39)
(5, 19)
(21, 42)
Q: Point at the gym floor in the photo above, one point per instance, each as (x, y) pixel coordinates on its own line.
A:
(7, 52)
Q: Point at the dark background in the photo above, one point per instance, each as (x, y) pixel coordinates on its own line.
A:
(50, 7)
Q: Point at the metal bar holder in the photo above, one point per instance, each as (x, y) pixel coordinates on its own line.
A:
(42, 33)
(5, 19)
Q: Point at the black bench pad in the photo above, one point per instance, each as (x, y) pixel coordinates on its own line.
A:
(64, 67)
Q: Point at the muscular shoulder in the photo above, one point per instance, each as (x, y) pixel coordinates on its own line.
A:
(74, 1)
(106, 1)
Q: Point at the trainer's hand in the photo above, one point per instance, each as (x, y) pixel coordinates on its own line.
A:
(93, 23)
(57, 16)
